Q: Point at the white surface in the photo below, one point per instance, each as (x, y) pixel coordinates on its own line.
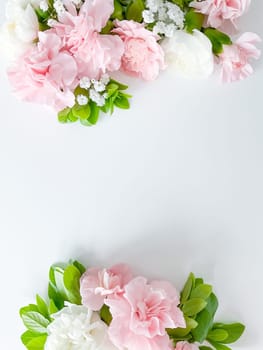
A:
(173, 185)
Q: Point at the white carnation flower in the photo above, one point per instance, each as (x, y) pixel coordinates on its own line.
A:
(189, 54)
(20, 29)
(77, 328)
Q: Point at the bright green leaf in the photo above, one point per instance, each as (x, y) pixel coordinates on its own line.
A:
(71, 282)
(27, 336)
(193, 306)
(35, 322)
(217, 335)
(122, 102)
(81, 112)
(234, 330)
(37, 343)
(187, 288)
(42, 306)
(63, 115)
(202, 291)
(79, 266)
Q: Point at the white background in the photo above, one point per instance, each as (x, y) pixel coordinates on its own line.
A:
(173, 185)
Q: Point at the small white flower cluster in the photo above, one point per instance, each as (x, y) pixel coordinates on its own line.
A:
(43, 5)
(59, 7)
(96, 89)
(167, 17)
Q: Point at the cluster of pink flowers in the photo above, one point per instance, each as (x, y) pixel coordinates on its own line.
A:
(73, 48)
(81, 42)
(141, 310)
(235, 59)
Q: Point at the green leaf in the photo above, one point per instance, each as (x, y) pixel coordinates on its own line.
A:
(218, 346)
(118, 11)
(122, 101)
(108, 27)
(81, 112)
(187, 288)
(193, 20)
(198, 281)
(217, 335)
(55, 296)
(234, 330)
(42, 306)
(71, 117)
(63, 115)
(105, 314)
(205, 319)
(35, 322)
(120, 85)
(52, 308)
(79, 266)
(218, 39)
(71, 279)
(205, 348)
(134, 10)
(27, 336)
(182, 332)
(94, 115)
(112, 88)
(202, 291)
(193, 306)
(28, 308)
(37, 343)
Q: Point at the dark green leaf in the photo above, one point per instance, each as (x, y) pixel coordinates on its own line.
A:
(108, 27)
(79, 266)
(193, 20)
(218, 39)
(234, 330)
(193, 306)
(35, 322)
(105, 314)
(198, 281)
(205, 319)
(187, 288)
(202, 291)
(134, 10)
(218, 346)
(118, 11)
(52, 308)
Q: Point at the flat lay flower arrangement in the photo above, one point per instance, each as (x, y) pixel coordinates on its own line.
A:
(111, 309)
(65, 53)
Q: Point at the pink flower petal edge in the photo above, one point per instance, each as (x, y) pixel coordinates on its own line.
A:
(235, 60)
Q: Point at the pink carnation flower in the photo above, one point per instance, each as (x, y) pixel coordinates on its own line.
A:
(98, 284)
(184, 345)
(143, 56)
(219, 11)
(80, 31)
(44, 74)
(142, 314)
(235, 59)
